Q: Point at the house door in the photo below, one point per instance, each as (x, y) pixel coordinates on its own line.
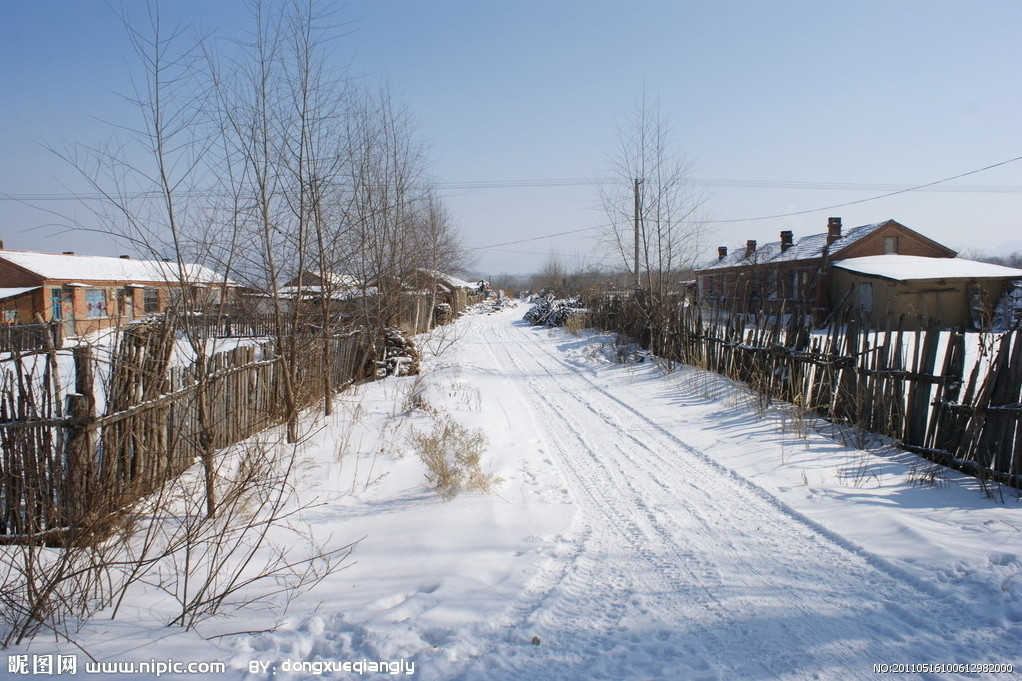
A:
(128, 303)
(62, 309)
(865, 292)
(67, 305)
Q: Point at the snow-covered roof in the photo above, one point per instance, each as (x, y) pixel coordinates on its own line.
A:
(908, 267)
(449, 279)
(806, 248)
(6, 293)
(335, 293)
(335, 279)
(103, 268)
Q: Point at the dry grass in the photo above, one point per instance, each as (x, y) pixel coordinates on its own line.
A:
(577, 323)
(452, 455)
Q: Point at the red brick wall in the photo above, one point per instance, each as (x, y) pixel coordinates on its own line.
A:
(117, 297)
(908, 244)
(13, 277)
(24, 305)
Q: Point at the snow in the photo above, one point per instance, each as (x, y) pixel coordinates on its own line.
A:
(12, 292)
(909, 267)
(100, 268)
(338, 280)
(335, 293)
(806, 248)
(449, 279)
(651, 524)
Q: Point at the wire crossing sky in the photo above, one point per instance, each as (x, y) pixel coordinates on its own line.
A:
(784, 109)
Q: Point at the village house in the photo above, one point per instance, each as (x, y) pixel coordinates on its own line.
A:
(89, 293)
(313, 284)
(448, 289)
(882, 271)
(414, 301)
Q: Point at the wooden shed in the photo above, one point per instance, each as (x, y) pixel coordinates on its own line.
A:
(955, 291)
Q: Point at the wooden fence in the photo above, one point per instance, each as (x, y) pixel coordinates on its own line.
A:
(888, 382)
(70, 452)
(28, 337)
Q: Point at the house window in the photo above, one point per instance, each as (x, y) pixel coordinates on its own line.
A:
(10, 316)
(95, 302)
(56, 309)
(771, 284)
(151, 299)
(890, 245)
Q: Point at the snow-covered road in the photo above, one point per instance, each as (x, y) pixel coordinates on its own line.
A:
(680, 569)
(648, 525)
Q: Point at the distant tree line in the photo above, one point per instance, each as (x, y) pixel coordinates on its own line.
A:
(1007, 260)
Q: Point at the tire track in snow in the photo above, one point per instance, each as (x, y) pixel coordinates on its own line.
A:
(661, 573)
(701, 582)
(618, 514)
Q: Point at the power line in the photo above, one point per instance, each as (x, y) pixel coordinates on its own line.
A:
(539, 238)
(556, 254)
(901, 189)
(873, 198)
(742, 184)
(593, 182)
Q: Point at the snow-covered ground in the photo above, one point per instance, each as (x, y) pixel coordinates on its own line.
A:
(649, 525)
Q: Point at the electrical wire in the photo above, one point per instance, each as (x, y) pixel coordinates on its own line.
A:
(871, 198)
(539, 238)
(600, 181)
(902, 189)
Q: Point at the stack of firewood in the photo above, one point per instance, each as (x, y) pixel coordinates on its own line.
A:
(400, 356)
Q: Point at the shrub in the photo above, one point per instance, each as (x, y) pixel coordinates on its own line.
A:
(452, 455)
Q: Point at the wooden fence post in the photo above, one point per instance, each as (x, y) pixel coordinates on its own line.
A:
(79, 483)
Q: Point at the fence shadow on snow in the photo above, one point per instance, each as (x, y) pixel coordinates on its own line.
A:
(951, 396)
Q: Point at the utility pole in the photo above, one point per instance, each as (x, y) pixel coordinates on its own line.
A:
(637, 181)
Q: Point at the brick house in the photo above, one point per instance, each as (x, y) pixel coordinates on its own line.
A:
(795, 275)
(88, 293)
(883, 271)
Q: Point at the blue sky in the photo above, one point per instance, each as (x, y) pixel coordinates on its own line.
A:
(892, 92)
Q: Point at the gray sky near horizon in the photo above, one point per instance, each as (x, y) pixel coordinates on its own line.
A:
(781, 107)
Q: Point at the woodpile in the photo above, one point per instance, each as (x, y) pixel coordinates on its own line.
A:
(400, 356)
(550, 312)
(443, 313)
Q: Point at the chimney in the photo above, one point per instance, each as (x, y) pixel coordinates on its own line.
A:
(125, 257)
(786, 240)
(1, 244)
(750, 248)
(833, 230)
(721, 252)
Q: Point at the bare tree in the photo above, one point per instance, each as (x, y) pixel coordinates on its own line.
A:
(160, 200)
(552, 276)
(387, 189)
(149, 180)
(281, 115)
(669, 209)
